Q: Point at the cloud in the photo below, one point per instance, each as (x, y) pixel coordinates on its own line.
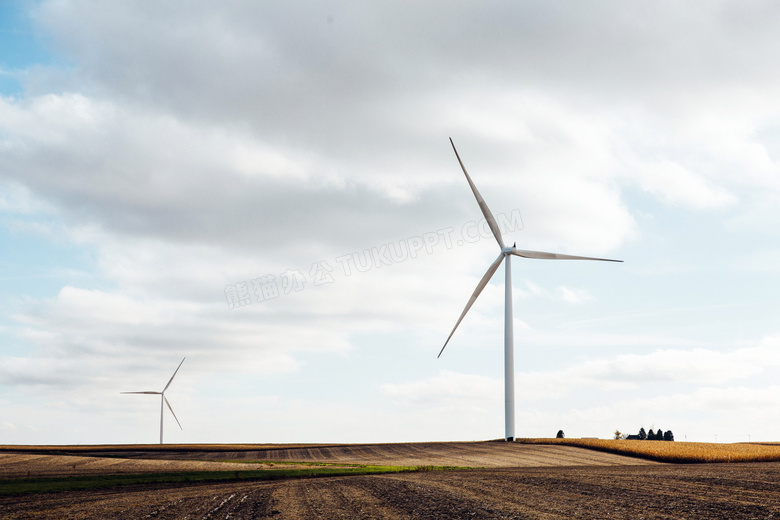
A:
(623, 372)
(447, 387)
(86, 329)
(678, 186)
(697, 366)
(570, 295)
(574, 296)
(147, 174)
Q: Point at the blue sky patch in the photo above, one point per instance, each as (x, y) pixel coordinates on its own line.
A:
(21, 46)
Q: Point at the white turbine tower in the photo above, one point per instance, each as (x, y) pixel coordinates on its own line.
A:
(164, 400)
(506, 253)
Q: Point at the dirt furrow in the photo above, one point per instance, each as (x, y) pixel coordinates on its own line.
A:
(331, 498)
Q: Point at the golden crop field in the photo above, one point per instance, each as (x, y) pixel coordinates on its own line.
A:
(679, 452)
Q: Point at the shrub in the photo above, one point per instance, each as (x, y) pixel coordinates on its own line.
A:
(560, 435)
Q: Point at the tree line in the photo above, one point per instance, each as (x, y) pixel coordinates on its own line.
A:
(658, 435)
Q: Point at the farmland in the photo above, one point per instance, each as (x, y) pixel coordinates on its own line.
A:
(45, 461)
(677, 452)
(513, 480)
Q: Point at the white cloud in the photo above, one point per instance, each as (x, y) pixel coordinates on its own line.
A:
(697, 366)
(573, 295)
(678, 186)
(445, 388)
(622, 372)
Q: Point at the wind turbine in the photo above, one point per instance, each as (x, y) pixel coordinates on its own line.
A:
(163, 399)
(506, 254)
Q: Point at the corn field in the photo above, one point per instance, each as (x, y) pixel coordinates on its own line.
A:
(679, 452)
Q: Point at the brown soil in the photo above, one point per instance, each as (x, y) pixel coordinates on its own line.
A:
(101, 460)
(713, 491)
(636, 490)
(463, 454)
(33, 465)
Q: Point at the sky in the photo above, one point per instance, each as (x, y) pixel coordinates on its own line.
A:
(268, 189)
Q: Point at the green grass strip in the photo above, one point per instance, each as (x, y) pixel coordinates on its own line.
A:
(75, 483)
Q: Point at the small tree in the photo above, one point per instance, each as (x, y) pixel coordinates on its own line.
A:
(619, 435)
(651, 435)
(642, 434)
(659, 434)
(560, 434)
(668, 435)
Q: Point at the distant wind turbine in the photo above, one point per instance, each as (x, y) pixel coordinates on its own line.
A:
(163, 399)
(506, 253)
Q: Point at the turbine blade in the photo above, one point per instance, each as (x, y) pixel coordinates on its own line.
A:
(174, 375)
(481, 285)
(155, 393)
(555, 256)
(171, 409)
(482, 205)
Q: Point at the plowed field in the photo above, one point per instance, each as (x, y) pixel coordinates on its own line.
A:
(64, 461)
(14, 465)
(470, 454)
(584, 488)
